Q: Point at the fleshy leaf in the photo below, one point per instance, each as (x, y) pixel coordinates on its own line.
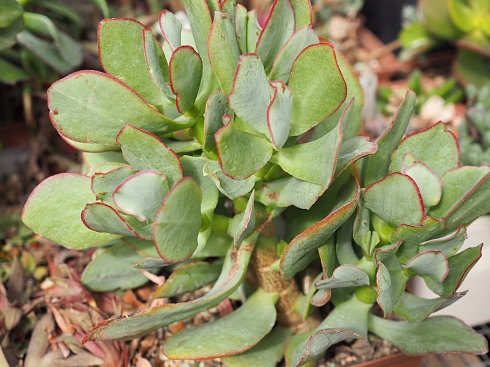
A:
(378, 164)
(91, 159)
(241, 20)
(216, 108)
(200, 19)
(462, 14)
(145, 151)
(436, 334)
(101, 217)
(279, 114)
(243, 224)
(464, 196)
(390, 278)
(289, 191)
(314, 161)
(283, 63)
(105, 168)
(143, 322)
(438, 19)
(296, 256)
(178, 221)
(103, 184)
(415, 309)
(170, 28)
(233, 146)
(413, 236)
(10, 11)
(278, 27)
(228, 6)
(449, 245)
(44, 207)
(157, 64)
(429, 184)
(230, 187)
(396, 199)
(344, 276)
(185, 69)
(250, 323)
(141, 195)
(355, 96)
(92, 107)
(302, 13)
(346, 321)
(344, 251)
(188, 278)
(267, 353)
(436, 146)
(253, 30)
(322, 90)
(223, 50)
(316, 297)
(63, 54)
(193, 167)
(251, 94)
(149, 263)
(89, 147)
(121, 44)
(111, 270)
(430, 264)
(352, 150)
(459, 266)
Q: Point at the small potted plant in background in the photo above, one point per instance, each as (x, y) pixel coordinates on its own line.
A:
(463, 23)
(231, 157)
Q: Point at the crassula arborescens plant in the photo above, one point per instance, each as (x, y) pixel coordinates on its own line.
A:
(232, 152)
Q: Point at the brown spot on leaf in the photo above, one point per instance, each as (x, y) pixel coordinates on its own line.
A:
(272, 196)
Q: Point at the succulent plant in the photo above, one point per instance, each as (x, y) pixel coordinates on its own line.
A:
(474, 134)
(38, 40)
(231, 157)
(463, 22)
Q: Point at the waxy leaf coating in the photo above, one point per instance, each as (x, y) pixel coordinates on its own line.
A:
(185, 70)
(92, 107)
(251, 94)
(245, 327)
(278, 28)
(223, 50)
(434, 335)
(436, 146)
(59, 219)
(121, 44)
(283, 63)
(141, 195)
(145, 151)
(396, 199)
(170, 28)
(233, 150)
(178, 221)
(320, 91)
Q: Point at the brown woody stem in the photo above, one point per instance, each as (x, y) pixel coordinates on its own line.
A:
(263, 257)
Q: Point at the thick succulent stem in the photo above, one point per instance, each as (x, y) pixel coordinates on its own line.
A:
(263, 257)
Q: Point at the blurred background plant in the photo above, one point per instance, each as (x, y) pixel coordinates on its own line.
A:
(463, 23)
(474, 135)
